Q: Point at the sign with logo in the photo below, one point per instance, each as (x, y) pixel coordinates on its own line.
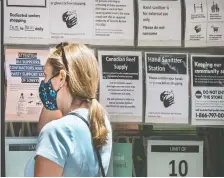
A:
(17, 153)
(122, 160)
(174, 158)
(167, 93)
(207, 76)
(92, 22)
(204, 23)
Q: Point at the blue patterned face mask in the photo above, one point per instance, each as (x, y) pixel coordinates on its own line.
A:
(48, 95)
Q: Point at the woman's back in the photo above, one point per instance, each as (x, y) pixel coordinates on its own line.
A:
(68, 143)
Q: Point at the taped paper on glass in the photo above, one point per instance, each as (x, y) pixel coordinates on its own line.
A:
(167, 88)
(114, 23)
(24, 70)
(121, 85)
(26, 22)
(18, 151)
(207, 89)
(71, 21)
(159, 23)
(92, 22)
(204, 23)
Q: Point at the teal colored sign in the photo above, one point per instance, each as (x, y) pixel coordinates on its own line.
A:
(110, 172)
(122, 160)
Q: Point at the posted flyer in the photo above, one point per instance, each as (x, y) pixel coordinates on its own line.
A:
(24, 69)
(71, 21)
(114, 23)
(26, 22)
(106, 22)
(81, 21)
(159, 23)
(18, 151)
(121, 85)
(204, 23)
(175, 158)
(167, 88)
(207, 86)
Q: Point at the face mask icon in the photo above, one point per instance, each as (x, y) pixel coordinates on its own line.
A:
(167, 97)
(70, 18)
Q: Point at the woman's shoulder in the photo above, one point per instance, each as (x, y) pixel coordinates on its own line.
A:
(56, 141)
(71, 123)
(66, 123)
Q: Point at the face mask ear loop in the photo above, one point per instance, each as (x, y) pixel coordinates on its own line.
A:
(55, 75)
(65, 61)
(59, 89)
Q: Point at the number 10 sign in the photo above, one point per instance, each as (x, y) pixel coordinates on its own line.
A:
(173, 158)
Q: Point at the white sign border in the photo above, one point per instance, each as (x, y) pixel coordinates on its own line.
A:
(159, 43)
(162, 141)
(193, 119)
(17, 141)
(154, 120)
(120, 118)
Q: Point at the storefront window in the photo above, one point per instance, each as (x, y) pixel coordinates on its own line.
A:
(161, 80)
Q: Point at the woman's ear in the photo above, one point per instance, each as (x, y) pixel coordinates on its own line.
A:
(62, 76)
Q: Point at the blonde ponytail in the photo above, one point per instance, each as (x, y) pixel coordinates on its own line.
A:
(97, 124)
(83, 71)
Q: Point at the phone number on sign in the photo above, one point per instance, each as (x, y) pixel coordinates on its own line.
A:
(210, 115)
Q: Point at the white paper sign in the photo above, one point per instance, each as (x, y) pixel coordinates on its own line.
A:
(92, 22)
(26, 22)
(166, 88)
(204, 23)
(121, 85)
(170, 158)
(114, 23)
(159, 23)
(24, 70)
(207, 89)
(71, 21)
(17, 153)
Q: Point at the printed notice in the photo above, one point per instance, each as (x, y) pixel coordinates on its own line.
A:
(207, 75)
(22, 150)
(26, 23)
(174, 158)
(121, 85)
(204, 23)
(24, 69)
(166, 88)
(159, 23)
(114, 22)
(71, 20)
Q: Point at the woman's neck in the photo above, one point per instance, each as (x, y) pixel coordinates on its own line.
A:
(76, 104)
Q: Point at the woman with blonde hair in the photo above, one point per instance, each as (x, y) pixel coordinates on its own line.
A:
(80, 143)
